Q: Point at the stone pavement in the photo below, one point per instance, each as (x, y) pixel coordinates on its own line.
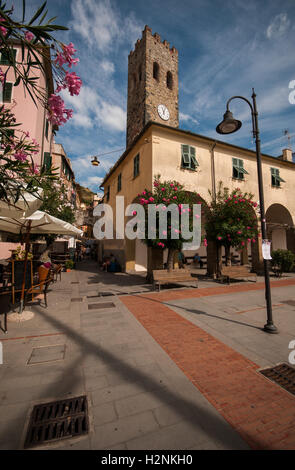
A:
(170, 370)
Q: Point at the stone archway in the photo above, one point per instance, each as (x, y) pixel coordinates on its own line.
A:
(280, 227)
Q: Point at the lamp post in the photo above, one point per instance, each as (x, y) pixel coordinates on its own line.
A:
(228, 126)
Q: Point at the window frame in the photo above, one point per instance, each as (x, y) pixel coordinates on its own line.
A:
(7, 61)
(108, 193)
(136, 162)
(188, 157)
(238, 167)
(119, 182)
(2, 100)
(276, 179)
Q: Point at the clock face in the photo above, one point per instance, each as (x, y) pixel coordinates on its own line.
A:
(163, 112)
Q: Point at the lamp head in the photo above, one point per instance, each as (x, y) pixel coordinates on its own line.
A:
(229, 124)
(94, 161)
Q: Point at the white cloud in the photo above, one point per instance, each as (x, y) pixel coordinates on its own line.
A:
(112, 116)
(187, 117)
(278, 26)
(101, 25)
(108, 66)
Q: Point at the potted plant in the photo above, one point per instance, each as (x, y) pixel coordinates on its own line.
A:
(282, 261)
(69, 265)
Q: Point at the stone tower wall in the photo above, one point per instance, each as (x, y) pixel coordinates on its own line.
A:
(145, 92)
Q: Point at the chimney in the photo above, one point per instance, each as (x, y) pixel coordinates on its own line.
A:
(287, 155)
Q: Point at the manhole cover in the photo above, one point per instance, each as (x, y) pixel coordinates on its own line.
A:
(57, 420)
(77, 299)
(101, 305)
(47, 354)
(289, 302)
(283, 375)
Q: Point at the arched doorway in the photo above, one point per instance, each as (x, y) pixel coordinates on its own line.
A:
(280, 227)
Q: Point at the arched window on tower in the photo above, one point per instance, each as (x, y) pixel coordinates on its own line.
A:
(156, 71)
(169, 80)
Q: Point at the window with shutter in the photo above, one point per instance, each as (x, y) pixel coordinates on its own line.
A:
(136, 166)
(7, 92)
(119, 182)
(188, 157)
(276, 180)
(238, 169)
(47, 160)
(6, 57)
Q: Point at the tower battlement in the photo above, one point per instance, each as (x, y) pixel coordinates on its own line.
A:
(152, 81)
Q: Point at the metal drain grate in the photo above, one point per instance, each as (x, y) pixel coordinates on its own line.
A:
(283, 375)
(101, 305)
(76, 299)
(57, 420)
(75, 282)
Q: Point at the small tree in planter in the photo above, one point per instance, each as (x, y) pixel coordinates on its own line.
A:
(231, 221)
(164, 194)
(282, 261)
(69, 264)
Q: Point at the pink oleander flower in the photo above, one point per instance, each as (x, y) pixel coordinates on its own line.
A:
(2, 28)
(197, 216)
(174, 197)
(134, 213)
(20, 155)
(219, 238)
(29, 36)
(164, 233)
(156, 184)
(35, 169)
(143, 193)
(151, 199)
(2, 76)
(72, 82)
(163, 189)
(205, 242)
(239, 232)
(58, 114)
(65, 57)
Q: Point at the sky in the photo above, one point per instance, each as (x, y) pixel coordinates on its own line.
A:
(226, 47)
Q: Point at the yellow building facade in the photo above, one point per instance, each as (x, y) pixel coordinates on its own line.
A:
(159, 148)
(156, 146)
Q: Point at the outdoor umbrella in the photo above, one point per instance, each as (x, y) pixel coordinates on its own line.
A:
(24, 207)
(41, 223)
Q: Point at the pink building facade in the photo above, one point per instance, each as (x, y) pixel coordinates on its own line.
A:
(31, 116)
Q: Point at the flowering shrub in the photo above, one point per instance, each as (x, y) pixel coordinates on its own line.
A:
(232, 220)
(164, 194)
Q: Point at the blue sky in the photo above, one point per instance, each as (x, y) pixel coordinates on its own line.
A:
(225, 47)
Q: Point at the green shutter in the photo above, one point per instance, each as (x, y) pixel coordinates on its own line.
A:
(47, 160)
(238, 168)
(7, 93)
(6, 58)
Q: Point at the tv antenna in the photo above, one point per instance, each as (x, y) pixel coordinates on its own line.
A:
(287, 134)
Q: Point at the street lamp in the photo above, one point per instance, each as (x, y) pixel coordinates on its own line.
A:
(94, 161)
(228, 126)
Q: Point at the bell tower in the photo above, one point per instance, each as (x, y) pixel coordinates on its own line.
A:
(152, 84)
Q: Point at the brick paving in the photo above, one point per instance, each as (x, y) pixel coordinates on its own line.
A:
(259, 410)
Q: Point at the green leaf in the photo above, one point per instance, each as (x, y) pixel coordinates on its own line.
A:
(38, 13)
(24, 10)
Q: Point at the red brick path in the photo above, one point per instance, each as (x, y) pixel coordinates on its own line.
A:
(262, 412)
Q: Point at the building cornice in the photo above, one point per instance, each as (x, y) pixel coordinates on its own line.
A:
(199, 137)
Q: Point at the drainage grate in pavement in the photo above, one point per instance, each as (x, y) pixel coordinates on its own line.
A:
(47, 354)
(57, 420)
(283, 375)
(289, 302)
(76, 299)
(101, 305)
(93, 296)
(75, 282)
